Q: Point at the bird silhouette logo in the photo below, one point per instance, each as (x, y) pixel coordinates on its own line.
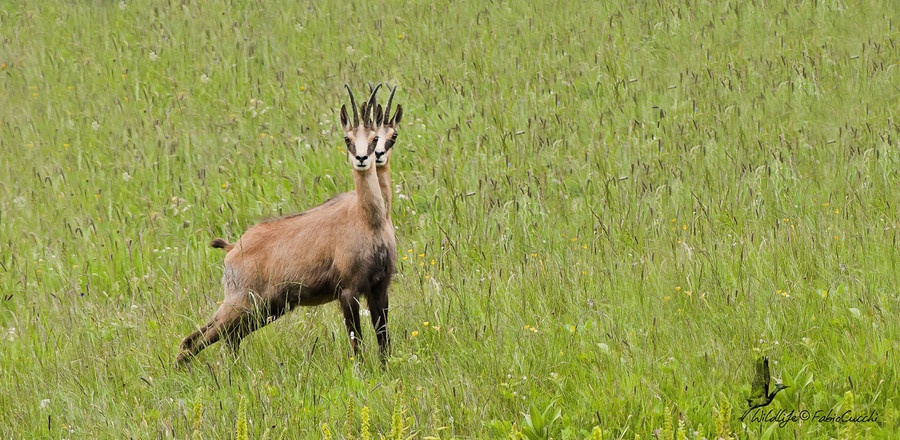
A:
(759, 391)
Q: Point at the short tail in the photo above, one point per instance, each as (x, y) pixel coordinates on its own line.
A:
(222, 244)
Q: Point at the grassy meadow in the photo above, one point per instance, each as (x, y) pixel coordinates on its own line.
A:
(605, 213)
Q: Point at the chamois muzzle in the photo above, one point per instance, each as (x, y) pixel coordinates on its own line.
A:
(361, 163)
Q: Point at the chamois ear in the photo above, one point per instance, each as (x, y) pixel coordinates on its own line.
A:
(344, 118)
(379, 115)
(364, 111)
(399, 114)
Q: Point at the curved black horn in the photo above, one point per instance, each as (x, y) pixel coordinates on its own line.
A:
(370, 107)
(353, 106)
(387, 110)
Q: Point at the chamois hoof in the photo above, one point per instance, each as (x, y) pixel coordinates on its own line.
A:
(182, 360)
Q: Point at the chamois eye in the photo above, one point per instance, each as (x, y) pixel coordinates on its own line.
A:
(375, 140)
(390, 142)
(347, 140)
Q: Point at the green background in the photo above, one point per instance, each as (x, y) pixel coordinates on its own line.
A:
(605, 211)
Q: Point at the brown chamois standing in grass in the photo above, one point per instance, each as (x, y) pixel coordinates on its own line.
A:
(386, 135)
(340, 250)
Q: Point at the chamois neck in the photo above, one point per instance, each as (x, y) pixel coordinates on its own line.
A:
(369, 199)
(384, 182)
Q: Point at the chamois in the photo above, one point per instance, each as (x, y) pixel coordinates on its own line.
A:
(387, 136)
(386, 133)
(340, 250)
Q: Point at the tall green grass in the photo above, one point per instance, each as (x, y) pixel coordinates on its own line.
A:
(606, 212)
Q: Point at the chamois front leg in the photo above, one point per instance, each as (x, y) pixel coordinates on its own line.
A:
(350, 307)
(378, 308)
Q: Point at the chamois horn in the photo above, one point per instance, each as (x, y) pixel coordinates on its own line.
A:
(387, 110)
(370, 106)
(353, 106)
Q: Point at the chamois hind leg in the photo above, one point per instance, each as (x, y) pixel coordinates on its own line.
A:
(188, 342)
(378, 308)
(226, 321)
(247, 323)
(242, 324)
(350, 307)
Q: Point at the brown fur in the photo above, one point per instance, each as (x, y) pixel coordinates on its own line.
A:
(340, 250)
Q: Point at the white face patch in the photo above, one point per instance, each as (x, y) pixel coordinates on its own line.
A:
(359, 151)
(382, 153)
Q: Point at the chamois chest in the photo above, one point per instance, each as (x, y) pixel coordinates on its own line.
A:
(370, 262)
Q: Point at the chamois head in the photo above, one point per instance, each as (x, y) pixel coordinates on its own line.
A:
(360, 135)
(386, 130)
